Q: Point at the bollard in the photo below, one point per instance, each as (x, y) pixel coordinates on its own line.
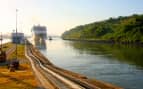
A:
(11, 68)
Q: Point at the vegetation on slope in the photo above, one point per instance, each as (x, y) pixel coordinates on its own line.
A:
(121, 29)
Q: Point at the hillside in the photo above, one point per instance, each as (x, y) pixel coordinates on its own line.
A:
(127, 29)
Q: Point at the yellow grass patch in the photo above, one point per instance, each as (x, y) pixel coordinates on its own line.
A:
(20, 79)
(7, 46)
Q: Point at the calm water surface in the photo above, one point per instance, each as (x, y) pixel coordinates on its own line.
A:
(118, 64)
(5, 40)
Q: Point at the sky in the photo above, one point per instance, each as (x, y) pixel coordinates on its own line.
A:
(61, 15)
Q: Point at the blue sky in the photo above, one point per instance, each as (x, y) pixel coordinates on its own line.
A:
(61, 15)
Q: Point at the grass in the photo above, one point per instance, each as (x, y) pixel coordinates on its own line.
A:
(20, 53)
(6, 46)
(23, 78)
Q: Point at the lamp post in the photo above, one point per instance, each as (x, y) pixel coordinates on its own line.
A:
(1, 40)
(16, 32)
(15, 63)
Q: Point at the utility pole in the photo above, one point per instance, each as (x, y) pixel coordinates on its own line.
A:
(1, 40)
(16, 33)
(15, 63)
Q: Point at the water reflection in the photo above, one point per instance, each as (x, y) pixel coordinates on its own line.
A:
(40, 44)
(125, 53)
(117, 64)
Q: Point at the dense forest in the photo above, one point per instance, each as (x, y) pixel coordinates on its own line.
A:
(128, 29)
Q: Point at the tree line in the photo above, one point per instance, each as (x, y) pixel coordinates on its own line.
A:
(127, 29)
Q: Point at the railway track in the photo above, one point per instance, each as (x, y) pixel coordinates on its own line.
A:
(9, 51)
(56, 80)
(52, 77)
(5, 53)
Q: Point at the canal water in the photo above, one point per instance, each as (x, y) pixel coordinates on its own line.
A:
(5, 40)
(121, 65)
